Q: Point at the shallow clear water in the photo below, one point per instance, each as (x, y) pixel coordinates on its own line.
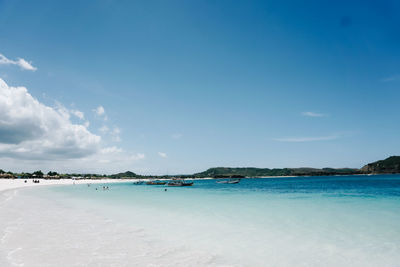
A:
(310, 221)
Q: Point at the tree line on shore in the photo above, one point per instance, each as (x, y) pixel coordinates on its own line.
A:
(50, 175)
(387, 166)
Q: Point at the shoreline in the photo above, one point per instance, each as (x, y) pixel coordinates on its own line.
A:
(9, 184)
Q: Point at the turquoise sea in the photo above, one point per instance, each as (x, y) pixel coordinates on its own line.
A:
(308, 221)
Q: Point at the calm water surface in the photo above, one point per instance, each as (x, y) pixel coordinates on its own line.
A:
(310, 221)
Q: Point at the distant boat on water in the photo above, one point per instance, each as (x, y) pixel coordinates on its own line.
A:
(231, 181)
(179, 183)
(156, 183)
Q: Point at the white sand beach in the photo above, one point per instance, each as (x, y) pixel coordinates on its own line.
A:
(6, 184)
(36, 232)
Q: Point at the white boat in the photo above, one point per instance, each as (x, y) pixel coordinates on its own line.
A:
(178, 182)
(230, 181)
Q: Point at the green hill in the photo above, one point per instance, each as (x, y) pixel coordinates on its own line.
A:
(127, 174)
(223, 172)
(389, 165)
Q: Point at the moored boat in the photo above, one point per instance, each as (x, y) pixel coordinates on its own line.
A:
(179, 183)
(230, 181)
(156, 183)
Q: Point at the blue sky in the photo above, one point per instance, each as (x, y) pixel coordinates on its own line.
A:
(188, 85)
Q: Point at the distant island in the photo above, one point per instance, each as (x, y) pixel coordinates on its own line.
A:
(391, 165)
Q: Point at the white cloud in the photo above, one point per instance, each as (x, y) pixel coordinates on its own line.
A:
(115, 134)
(391, 78)
(78, 114)
(115, 154)
(33, 135)
(108, 150)
(176, 136)
(114, 157)
(306, 139)
(22, 63)
(137, 156)
(29, 129)
(100, 110)
(116, 138)
(116, 130)
(162, 154)
(104, 129)
(312, 114)
(25, 64)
